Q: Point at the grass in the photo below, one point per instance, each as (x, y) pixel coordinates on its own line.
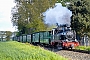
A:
(87, 48)
(13, 50)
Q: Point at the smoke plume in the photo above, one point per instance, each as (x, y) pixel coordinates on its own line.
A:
(58, 14)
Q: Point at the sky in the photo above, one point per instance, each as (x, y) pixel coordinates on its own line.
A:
(5, 14)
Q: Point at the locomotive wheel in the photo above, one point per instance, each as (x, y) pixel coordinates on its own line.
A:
(59, 47)
(72, 46)
(65, 48)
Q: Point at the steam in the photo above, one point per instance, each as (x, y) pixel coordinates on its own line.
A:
(58, 14)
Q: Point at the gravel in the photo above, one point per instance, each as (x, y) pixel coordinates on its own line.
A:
(71, 55)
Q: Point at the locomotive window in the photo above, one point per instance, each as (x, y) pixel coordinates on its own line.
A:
(60, 31)
(62, 37)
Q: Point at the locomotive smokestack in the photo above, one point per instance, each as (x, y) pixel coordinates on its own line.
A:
(58, 14)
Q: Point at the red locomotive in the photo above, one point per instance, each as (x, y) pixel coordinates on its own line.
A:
(64, 37)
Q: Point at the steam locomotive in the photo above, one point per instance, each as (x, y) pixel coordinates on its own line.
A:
(64, 37)
(61, 37)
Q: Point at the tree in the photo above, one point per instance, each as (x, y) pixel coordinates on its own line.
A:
(80, 20)
(8, 35)
(27, 14)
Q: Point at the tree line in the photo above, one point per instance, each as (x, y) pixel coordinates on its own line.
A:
(80, 20)
(5, 35)
(27, 15)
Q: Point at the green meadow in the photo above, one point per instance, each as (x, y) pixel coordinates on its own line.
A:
(87, 48)
(13, 50)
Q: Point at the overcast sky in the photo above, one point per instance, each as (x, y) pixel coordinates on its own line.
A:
(5, 14)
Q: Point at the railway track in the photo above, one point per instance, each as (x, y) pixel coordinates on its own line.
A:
(72, 54)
